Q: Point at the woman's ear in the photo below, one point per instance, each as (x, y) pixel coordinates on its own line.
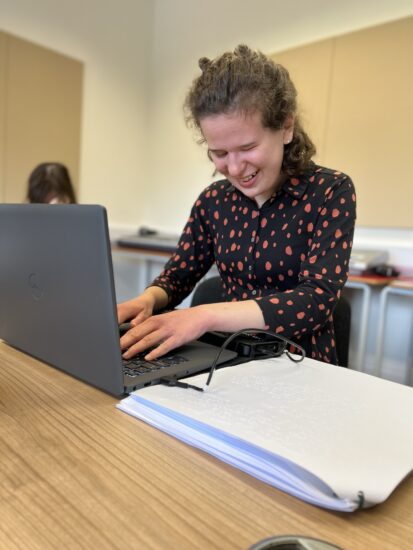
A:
(288, 128)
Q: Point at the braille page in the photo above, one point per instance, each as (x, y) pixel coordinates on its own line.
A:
(311, 429)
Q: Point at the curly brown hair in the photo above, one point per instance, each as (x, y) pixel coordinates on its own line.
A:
(247, 81)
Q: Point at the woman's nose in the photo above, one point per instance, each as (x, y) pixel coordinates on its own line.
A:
(235, 165)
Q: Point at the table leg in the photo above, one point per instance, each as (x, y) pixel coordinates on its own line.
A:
(381, 333)
(364, 320)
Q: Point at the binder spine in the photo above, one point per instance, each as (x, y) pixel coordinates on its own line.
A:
(360, 499)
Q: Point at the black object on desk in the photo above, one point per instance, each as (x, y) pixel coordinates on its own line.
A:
(385, 270)
(150, 239)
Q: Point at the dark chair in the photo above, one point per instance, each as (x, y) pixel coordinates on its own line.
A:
(210, 291)
(342, 325)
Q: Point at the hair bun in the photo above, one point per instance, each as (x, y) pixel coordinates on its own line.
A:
(242, 50)
(204, 63)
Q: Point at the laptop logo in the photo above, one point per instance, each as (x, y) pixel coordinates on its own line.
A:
(36, 290)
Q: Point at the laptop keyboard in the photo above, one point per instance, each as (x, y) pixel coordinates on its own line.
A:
(137, 365)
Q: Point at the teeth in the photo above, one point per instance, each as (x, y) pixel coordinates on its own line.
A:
(250, 177)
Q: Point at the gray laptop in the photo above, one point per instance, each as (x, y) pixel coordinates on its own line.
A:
(57, 299)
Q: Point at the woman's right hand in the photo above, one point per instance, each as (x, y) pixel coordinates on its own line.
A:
(136, 310)
(142, 307)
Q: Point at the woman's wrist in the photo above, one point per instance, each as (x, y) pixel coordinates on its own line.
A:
(208, 316)
(231, 316)
(157, 297)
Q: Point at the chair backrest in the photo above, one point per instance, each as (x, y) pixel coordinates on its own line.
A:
(342, 325)
(210, 291)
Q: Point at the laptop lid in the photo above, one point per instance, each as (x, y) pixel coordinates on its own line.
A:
(57, 291)
(57, 295)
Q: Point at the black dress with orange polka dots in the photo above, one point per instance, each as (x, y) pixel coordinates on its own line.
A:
(291, 255)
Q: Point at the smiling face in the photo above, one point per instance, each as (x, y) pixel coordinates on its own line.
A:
(247, 154)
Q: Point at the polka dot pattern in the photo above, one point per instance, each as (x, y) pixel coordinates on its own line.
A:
(291, 255)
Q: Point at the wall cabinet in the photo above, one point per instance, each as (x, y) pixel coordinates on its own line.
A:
(356, 98)
(40, 112)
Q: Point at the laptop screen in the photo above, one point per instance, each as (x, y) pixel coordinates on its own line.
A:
(57, 292)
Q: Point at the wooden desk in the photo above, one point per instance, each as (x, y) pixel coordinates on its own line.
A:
(150, 252)
(77, 473)
(404, 281)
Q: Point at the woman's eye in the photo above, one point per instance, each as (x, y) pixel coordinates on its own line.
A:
(220, 154)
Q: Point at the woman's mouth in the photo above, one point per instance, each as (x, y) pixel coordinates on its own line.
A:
(248, 180)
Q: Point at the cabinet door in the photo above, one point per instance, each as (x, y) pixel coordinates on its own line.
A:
(43, 93)
(356, 97)
(3, 39)
(369, 133)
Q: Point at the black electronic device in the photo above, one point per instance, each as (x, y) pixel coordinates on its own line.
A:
(385, 270)
(251, 345)
(147, 238)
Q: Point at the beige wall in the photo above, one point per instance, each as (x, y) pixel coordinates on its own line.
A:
(41, 94)
(3, 80)
(113, 39)
(137, 157)
(185, 31)
(356, 94)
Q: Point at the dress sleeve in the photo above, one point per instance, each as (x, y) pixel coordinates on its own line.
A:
(192, 258)
(323, 271)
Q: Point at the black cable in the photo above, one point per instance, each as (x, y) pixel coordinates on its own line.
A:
(247, 331)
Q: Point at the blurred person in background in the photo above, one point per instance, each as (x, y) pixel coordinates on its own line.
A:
(50, 183)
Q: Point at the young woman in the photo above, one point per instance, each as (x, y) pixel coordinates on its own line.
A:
(278, 227)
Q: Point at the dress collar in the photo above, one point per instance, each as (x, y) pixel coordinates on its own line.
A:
(295, 186)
